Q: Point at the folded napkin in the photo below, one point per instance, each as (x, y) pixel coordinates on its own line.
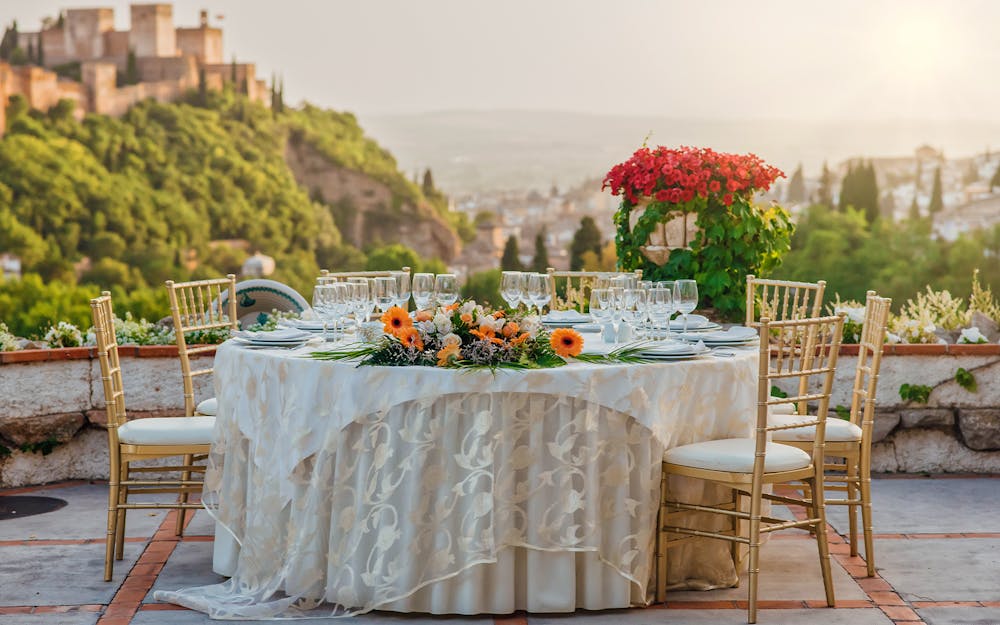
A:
(736, 334)
(304, 324)
(694, 321)
(673, 349)
(282, 334)
(563, 316)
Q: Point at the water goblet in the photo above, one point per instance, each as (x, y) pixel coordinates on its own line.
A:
(634, 308)
(423, 290)
(322, 303)
(685, 298)
(661, 306)
(385, 293)
(402, 279)
(446, 289)
(538, 290)
(512, 287)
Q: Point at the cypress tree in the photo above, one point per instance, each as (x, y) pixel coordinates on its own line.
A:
(511, 260)
(914, 208)
(919, 175)
(31, 52)
(937, 202)
(797, 187)
(587, 238)
(824, 194)
(995, 180)
(428, 185)
(540, 263)
(848, 189)
(202, 87)
(132, 69)
(40, 52)
(232, 72)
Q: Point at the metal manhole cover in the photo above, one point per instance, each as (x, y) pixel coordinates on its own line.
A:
(17, 506)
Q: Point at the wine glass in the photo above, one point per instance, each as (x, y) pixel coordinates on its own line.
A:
(423, 290)
(361, 302)
(634, 307)
(511, 287)
(322, 303)
(446, 289)
(341, 304)
(685, 298)
(599, 306)
(537, 290)
(385, 293)
(661, 306)
(402, 279)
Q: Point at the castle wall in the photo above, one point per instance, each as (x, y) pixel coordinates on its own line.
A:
(116, 45)
(256, 89)
(182, 68)
(39, 86)
(54, 45)
(99, 80)
(203, 43)
(77, 92)
(84, 32)
(152, 32)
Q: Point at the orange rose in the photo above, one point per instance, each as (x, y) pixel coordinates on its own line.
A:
(466, 318)
(520, 339)
(446, 354)
(410, 337)
(451, 307)
(566, 342)
(396, 319)
(425, 315)
(498, 314)
(510, 329)
(483, 333)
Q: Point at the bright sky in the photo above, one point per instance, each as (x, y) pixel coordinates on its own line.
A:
(722, 59)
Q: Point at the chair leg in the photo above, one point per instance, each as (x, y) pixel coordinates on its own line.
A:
(109, 549)
(734, 547)
(120, 522)
(753, 565)
(819, 512)
(866, 517)
(852, 509)
(182, 497)
(661, 544)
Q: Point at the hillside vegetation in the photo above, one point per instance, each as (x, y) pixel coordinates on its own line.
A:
(134, 201)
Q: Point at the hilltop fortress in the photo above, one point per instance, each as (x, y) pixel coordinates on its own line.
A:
(158, 59)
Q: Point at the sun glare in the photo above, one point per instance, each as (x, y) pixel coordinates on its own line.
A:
(917, 48)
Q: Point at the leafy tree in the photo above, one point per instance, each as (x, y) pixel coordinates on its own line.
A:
(484, 287)
(540, 262)
(586, 238)
(919, 176)
(31, 52)
(914, 208)
(824, 193)
(392, 256)
(202, 88)
(511, 260)
(937, 202)
(860, 190)
(797, 187)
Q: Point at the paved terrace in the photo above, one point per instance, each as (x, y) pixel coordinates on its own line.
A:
(937, 549)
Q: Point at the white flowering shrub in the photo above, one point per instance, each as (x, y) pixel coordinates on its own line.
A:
(855, 312)
(972, 336)
(129, 331)
(939, 308)
(63, 334)
(8, 342)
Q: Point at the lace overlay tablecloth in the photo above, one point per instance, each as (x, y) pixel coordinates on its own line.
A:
(376, 487)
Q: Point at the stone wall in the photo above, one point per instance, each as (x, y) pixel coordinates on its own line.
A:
(57, 396)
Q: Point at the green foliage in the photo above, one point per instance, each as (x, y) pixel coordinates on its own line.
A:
(995, 180)
(732, 242)
(859, 189)
(824, 194)
(937, 202)
(540, 262)
(44, 447)
(966, 380)
(918, 393)
(511, 259)
(484, 287)
(843, 412)
(777, 392)
(797, 187)
(394, 256)
(587, 238)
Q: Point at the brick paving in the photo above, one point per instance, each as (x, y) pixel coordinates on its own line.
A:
(933, 577)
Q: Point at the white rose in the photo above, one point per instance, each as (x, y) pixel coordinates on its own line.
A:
(467, 307)
(972, 335)
(531, 324)
(451, 339)
(442, 322)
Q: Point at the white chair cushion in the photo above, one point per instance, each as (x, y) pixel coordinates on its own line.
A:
(167, 431)
(781, 409)
(209, 407)
(736, 455)
(837, 430)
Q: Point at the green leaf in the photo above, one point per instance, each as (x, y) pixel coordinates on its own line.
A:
(966, 380)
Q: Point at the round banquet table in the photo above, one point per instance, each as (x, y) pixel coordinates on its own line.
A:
(340, 489)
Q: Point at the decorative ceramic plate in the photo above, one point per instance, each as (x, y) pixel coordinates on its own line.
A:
(255, 299)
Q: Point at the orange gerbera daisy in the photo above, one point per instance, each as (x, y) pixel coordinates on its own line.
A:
(410, 337)
(483, 333)
(446, 354)
(510, 329)
(396, 319)
(567, 342)
(424, 315)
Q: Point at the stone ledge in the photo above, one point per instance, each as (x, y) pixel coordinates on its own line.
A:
(84, 353)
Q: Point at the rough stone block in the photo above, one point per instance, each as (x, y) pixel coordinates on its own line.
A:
(154, 383)
(84, 457)
(980, 428)
(927, 417)
(951, 394)
(988, 327)
(27, 430)
(30, 389)
(885, 423)
(930, 451)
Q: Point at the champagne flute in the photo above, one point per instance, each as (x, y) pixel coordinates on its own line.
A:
(446, 289)
(685, 298)
(402, 279)
(423, 290)
(661, 306)
(511, 288)
(322, 302)
(385, 293)
(634, 307)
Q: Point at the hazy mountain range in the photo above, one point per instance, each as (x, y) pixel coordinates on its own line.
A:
(491, 150)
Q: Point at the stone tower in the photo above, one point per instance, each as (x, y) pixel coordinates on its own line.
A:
(152, 32)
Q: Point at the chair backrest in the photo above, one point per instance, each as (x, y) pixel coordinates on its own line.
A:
(804, 350)
(571, 289)
(198, 306)
(326, 277)
(870, 348)
(107, 356)
(779, 300)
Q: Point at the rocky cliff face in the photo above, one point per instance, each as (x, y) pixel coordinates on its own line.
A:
(365, 208)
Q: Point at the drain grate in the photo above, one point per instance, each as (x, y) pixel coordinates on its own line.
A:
(17, 506)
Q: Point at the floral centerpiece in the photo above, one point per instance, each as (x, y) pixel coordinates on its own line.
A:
(467, 335)
(732, 237)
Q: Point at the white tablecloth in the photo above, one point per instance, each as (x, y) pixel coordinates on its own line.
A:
(423, 489)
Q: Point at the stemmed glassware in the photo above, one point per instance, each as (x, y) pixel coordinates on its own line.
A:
(423, 290)
(600, 306)
(512, 287)
(402, 279)
(385, 293)
(685, 298)
(361, 301)
(446, 289)
(341, 304)
(661, 306)
(322, 303)
(537, 290)
(634, 307)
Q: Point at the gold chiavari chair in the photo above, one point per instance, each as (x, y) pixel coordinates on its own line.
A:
(198, 307)
(802, 348)
(779, 300)
(326, 277)
(142, 439)
(851, 440)
(571, 289)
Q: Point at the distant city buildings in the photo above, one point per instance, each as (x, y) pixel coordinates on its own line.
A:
(81, 57)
